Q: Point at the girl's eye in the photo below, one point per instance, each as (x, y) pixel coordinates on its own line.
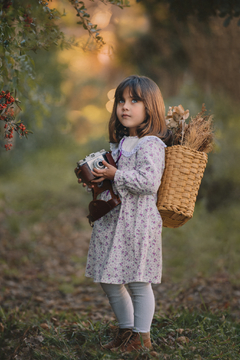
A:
(121, 101)
(134, 101)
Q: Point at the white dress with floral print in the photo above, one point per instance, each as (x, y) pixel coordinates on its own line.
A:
(126, 243)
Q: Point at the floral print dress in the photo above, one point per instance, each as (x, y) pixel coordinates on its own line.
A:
(126, 244)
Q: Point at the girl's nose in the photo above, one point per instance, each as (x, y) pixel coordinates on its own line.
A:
(125, 106)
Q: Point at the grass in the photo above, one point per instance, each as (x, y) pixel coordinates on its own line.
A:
(58, 336)
(207, 244)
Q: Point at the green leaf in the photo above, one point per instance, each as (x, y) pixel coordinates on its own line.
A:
(11, 60)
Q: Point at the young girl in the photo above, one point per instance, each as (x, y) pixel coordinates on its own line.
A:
(125, 246)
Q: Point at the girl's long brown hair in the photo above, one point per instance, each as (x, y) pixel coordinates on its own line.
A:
(146, 90)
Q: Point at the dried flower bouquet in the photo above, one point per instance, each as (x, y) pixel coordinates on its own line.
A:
(197, 134)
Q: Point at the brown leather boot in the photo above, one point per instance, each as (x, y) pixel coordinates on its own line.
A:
(121, 338)
(137, 341)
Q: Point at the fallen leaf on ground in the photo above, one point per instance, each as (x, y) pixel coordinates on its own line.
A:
(183, 339)
(44, 326)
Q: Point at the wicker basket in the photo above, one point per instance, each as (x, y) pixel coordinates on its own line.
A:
(181, 180)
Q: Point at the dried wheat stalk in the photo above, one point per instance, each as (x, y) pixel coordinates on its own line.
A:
(199, 134)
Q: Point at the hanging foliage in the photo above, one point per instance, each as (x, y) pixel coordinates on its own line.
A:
(27, 27)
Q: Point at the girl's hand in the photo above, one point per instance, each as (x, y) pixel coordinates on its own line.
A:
(107, 173)
(84, 185)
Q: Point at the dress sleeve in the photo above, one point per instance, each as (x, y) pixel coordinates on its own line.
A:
(145, 178)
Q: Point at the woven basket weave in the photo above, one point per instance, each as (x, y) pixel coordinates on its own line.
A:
(180, 183)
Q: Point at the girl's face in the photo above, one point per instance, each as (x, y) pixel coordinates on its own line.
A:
(130, 112)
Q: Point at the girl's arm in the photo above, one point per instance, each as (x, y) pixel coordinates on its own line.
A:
(145, 178)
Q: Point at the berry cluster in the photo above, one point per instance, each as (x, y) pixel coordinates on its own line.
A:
(8, 146)
(6, 4)
(5, 100)
(7, 114)
(9, 131)
(22, 129)
(8, 135)
(6, 105)
(28, 20)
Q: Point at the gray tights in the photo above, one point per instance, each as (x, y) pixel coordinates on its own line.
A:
(134, 311)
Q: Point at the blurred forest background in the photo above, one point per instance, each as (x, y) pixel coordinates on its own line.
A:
(68, 105)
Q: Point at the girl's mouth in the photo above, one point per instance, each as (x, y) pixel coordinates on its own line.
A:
(125, 115)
